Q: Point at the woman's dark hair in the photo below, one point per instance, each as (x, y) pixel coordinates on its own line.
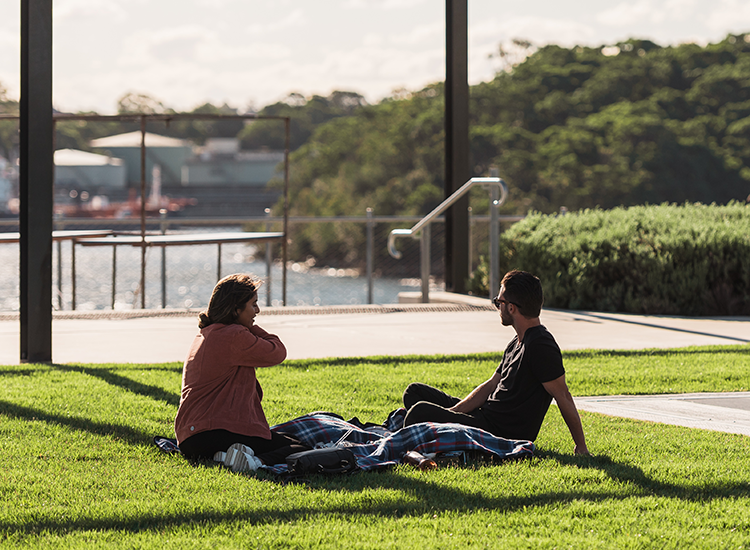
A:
(229, 295)
(525, 290)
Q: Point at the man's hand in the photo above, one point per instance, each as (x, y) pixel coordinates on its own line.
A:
(558, 389)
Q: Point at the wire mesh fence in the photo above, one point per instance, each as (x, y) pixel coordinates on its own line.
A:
(182, 175)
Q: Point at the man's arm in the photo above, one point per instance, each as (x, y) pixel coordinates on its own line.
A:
(558, 389)
(478, 396)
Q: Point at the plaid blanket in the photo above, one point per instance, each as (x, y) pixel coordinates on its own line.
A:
(381, 446)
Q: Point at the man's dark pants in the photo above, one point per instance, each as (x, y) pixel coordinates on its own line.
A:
(424, 403)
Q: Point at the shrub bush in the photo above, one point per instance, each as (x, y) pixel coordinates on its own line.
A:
(690, 259)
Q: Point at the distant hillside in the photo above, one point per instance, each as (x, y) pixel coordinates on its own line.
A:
(567, 127)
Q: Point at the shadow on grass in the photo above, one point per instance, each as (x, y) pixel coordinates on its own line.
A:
(15, 371)
(124, 433)
(626, 473)
(657, 325)
(107, 375)
(424, 497)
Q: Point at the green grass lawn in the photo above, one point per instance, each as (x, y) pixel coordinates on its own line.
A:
(77, 467)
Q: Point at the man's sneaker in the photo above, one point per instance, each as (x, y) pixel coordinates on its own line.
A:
(241, 458)
(220, 456)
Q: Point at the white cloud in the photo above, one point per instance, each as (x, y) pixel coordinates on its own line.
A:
(382, 4)
(539, 30)
(729, 16)
(629, 13)
(373, 39)
(681, 8)
(213, 3)
(294, 19)
(185, 52)
(639, 12)
(194, 44)
(64, 10)
(422, 34)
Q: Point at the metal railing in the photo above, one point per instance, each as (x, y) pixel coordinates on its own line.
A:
(116, 274)
(496, 185)
(143, 119)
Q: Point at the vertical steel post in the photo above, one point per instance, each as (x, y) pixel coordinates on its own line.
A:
(114, 274)
(424, 262)
(163, 216)
(59, 276)
(143, 212)
(370, 253)
(494, 240)
(470, 240)
(457, 168)
(218, 264)
(36, 181)
(269, 259)
(73, 274)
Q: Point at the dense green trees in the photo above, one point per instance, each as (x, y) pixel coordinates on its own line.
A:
(577, 128)
(566, 127)
(8, 133)
(305, 113)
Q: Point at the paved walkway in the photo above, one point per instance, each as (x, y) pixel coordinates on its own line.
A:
(720, 412)
(468, 327)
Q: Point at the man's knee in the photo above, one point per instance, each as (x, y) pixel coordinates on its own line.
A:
(413, 393)
(422, 411)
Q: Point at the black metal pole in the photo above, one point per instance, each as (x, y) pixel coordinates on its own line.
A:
(36, 181)
(457, 168)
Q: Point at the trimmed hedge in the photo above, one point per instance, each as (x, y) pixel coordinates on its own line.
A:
(690, 259)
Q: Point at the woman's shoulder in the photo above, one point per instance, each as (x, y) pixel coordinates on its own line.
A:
(219, 330)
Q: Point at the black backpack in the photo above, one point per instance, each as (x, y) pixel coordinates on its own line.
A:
(330, 460)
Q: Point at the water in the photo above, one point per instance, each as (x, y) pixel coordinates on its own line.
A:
(191, 275)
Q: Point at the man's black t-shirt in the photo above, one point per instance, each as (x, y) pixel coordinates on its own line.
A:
(519, 403)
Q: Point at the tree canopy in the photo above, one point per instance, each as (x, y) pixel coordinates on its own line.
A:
(577, 127)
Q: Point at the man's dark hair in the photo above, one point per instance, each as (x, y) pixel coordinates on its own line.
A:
(525, 291)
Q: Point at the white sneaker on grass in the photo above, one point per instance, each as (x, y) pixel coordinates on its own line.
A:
(241, 458)
(220, 456)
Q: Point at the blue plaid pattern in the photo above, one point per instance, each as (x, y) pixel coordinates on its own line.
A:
(382, 446)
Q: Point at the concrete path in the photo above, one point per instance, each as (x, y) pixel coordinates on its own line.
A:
(719, 412)
(156, 336)
(470, 326)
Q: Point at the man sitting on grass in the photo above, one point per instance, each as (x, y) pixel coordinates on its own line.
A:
(512, 404)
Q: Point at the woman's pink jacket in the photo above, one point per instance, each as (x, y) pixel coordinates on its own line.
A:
(219, 387)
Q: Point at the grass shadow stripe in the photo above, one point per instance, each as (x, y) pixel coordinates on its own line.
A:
(431, 498)
(128, 384)
(124, 433)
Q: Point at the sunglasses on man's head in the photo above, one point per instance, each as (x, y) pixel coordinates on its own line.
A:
(496, 301)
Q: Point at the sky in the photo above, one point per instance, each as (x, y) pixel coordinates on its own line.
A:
(250, 53)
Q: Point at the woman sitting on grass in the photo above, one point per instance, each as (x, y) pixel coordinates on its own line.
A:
(220, 414)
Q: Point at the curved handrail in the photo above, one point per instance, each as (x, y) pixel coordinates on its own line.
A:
(442, 207)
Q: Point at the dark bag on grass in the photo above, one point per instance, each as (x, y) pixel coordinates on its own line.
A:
(331, 460)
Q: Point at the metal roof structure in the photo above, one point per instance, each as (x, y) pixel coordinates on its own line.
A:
(133, 139)
(75, 157)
